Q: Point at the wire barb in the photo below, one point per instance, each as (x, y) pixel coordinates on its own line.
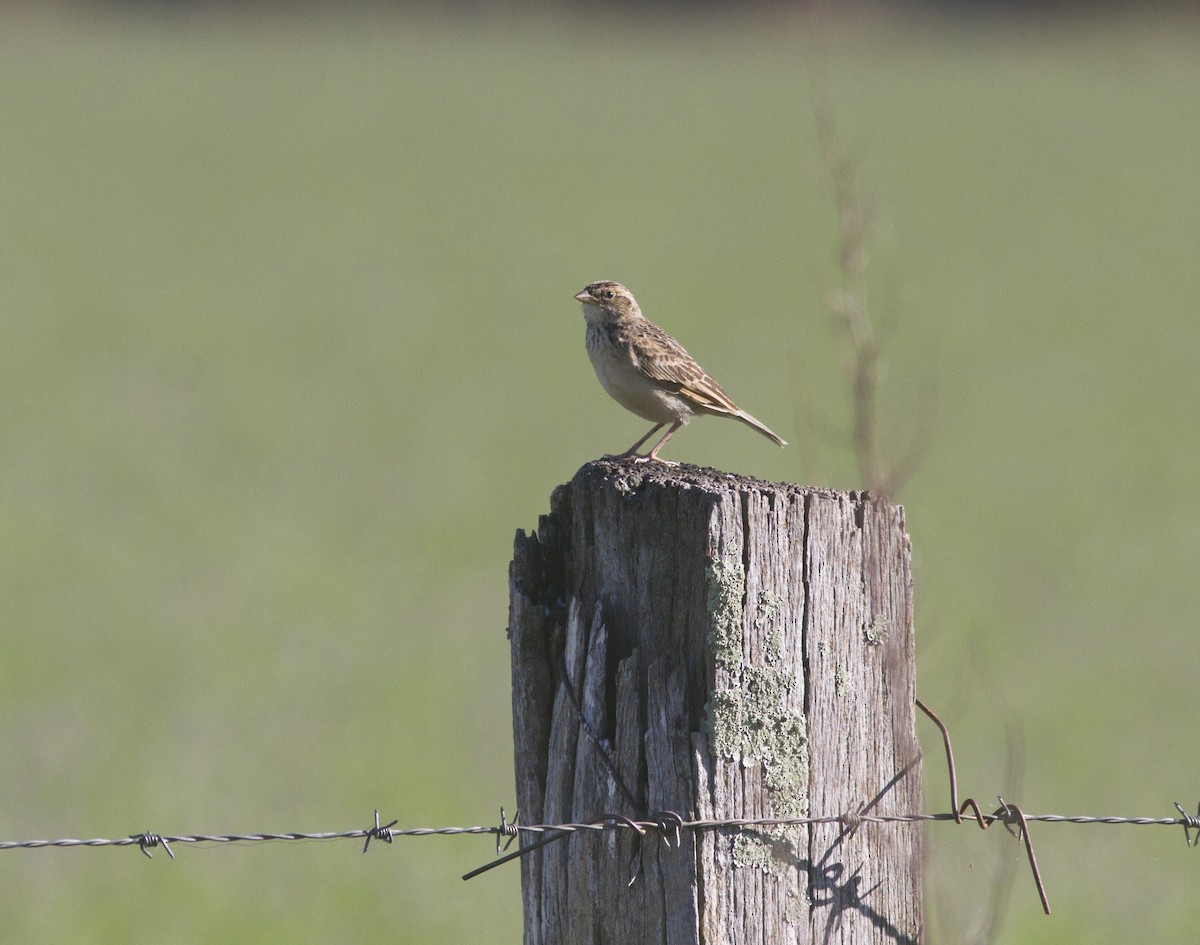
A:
(1190, 823)
(670, 825)
(949, 756)
(1013, 814)
(852, 820)
(148, 841)
(507, 830)
(1007, 814)
(517, 854)
(377, 832)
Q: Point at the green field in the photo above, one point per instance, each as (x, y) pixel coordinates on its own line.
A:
(289, 352)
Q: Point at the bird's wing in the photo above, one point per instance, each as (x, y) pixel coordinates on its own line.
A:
(665, 361)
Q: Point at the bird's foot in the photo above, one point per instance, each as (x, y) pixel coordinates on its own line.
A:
(638, 458)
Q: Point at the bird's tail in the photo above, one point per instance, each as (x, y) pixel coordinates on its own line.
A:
(760, 427)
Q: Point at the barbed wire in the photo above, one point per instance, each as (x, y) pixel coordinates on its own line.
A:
(669, 825)
(149, 841)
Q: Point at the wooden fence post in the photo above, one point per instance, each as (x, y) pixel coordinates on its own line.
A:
(690, 641)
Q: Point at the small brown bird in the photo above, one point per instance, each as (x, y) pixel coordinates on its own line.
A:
(647, 371)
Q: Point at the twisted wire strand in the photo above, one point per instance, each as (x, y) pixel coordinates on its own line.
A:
(667, 822)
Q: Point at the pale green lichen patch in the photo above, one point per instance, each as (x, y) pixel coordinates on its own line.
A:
(767, 617)
(772, 850)
(724, 724)
(877, 631)
(726, 583)
(797, 908)
(758, 852)
(787, 772)
(750, 724)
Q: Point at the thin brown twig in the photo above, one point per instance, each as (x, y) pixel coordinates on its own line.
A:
(859, 343)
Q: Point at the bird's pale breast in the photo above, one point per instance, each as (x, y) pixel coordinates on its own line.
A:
(629, 386)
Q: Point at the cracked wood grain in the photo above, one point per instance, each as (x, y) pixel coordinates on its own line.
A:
(724, 648)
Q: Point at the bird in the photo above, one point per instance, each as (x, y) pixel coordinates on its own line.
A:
(648, 372)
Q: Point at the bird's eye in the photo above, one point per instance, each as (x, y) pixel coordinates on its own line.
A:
(608, 293)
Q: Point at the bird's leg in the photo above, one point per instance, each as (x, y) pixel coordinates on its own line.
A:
(652, 456)
(632, 451)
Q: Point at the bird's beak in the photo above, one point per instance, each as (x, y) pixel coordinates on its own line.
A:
(583, 296)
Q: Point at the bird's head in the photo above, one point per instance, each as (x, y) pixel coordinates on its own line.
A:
(607, 300)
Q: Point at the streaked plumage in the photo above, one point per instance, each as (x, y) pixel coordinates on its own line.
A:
(647, 371)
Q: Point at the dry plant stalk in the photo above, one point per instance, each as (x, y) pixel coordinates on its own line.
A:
(858, 342)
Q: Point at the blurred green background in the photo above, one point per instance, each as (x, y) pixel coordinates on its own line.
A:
(289, 352)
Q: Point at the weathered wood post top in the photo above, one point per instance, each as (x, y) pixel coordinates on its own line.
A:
(722, 648)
